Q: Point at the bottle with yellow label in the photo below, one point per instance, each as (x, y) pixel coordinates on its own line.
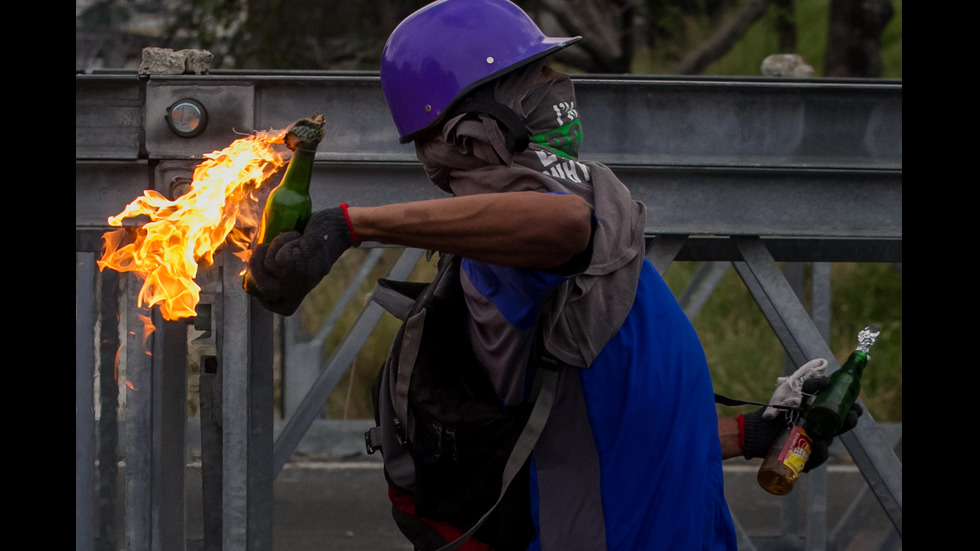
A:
(786, 459)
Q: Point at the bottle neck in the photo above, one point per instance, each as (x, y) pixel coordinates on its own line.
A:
(299, 172)
(856, 361)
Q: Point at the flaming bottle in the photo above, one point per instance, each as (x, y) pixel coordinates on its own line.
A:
(289, 206)
(822, 416)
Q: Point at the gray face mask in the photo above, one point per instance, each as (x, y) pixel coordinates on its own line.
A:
(537, 96)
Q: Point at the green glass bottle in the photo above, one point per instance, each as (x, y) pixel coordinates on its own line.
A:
(289, 206)
(831, 405)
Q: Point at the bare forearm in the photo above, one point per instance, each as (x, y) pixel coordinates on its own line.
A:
(517, 229)
(728, 435)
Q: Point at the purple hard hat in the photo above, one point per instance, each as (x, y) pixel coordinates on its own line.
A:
(446, 49)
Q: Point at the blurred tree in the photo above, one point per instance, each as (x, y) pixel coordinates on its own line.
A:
(729, 32)
(786, 26)
(854, 37)
(606, 25)
(615, 29)
(105, 35)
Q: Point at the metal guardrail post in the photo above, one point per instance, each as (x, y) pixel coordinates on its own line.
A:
(168, 427)
(108, 414)
(211, 461)
(85, 428)
(137, 442)
(245, 372)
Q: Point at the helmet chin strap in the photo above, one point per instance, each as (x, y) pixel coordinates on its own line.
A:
(517, 135)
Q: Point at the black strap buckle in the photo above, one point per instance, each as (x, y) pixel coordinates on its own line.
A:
(547, 361)
(370, 436)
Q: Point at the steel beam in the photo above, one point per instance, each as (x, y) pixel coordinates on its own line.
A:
(752, 156)
(628, 121)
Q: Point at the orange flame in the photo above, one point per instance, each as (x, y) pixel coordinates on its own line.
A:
(185, 232)
(148, 329)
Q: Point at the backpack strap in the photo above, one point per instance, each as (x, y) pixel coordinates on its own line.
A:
(547, 376)
(517, 136)
(400, 299)
(393, 297)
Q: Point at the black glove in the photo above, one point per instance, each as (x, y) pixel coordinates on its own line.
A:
(293, 264)
(760, 433)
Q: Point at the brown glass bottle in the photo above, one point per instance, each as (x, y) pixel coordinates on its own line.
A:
(785, 460)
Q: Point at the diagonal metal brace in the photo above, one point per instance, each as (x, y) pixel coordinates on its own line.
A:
(662, 249)
(880, 466)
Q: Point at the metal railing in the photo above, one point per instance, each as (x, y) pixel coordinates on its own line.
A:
(751, 172)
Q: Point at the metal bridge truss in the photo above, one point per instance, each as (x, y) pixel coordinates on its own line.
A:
(747, 173)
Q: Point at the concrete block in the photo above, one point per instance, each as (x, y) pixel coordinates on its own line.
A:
(786, 65)
(164, 61)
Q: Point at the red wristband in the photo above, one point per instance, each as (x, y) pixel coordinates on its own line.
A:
(350, 226)
(741, 430)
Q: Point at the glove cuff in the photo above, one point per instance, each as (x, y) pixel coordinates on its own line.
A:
(350, 226)
(741, 430)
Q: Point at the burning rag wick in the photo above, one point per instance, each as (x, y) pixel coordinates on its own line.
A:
(221, 204)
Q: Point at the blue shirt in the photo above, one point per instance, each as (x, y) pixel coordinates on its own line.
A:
(630, 459)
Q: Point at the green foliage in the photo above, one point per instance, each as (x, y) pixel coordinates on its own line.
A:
(863, 294)
(891, 44)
